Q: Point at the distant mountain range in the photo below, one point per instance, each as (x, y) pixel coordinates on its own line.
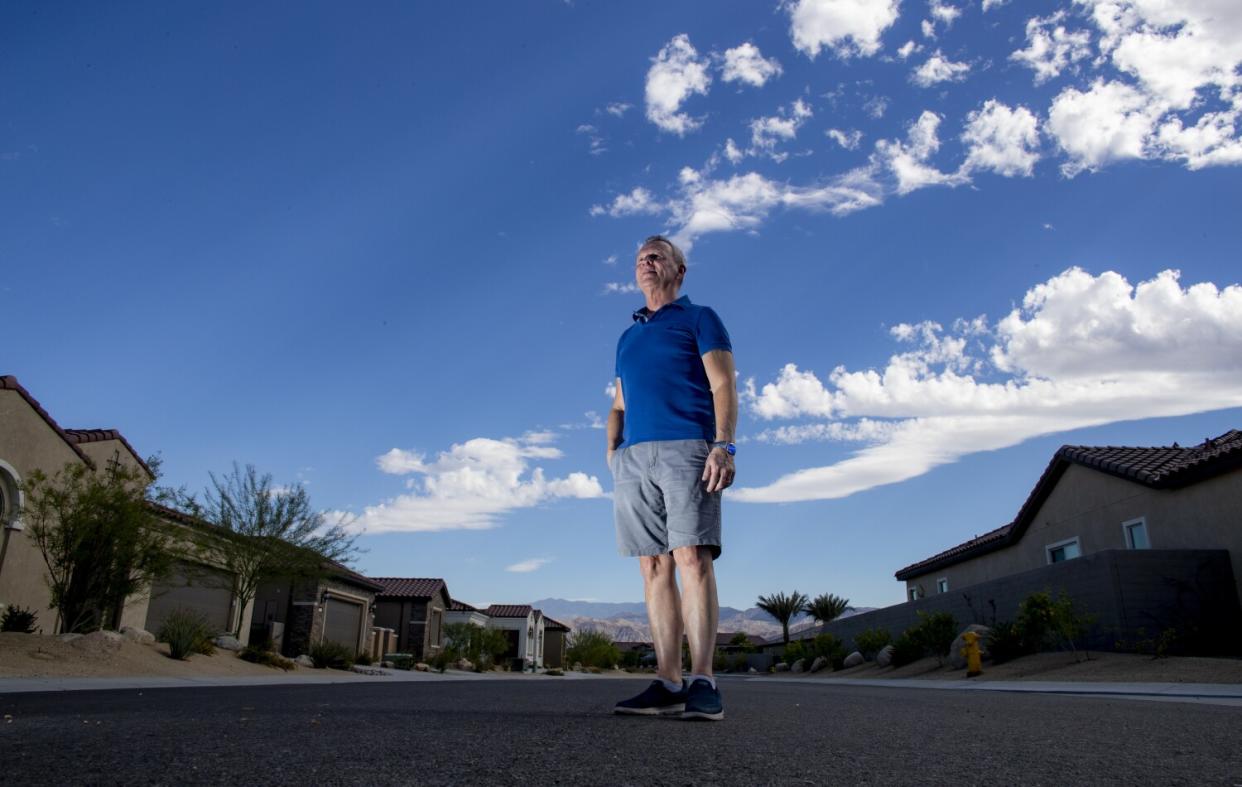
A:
(627, 621)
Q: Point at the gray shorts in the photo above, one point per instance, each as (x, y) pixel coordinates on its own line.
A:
(659, 500)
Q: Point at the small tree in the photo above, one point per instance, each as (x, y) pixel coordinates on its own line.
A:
(476, 643)
(741, 641)
(783, 608)
(98, 537)
(592, 648)
(827, 607)
(264, 531)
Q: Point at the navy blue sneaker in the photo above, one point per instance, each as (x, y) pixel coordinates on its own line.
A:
(703, 702)
(654, 701)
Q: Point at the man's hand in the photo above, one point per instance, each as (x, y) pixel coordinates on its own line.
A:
(718, 472)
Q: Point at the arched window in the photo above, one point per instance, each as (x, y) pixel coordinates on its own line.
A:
(10, 497)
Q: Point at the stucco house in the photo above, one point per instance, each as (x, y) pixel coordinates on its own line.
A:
(298, 614)
(30, 439)
(523, 625)
(461, 612)
(555, 635)
(416, 609)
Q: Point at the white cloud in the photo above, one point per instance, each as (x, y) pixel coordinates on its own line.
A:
(988, 5)
(676, 74)
(1109, 122)
(745, 63)
(846, 139)
(1051, 48)
(1001, 139)
(618, 108)
(944, 13)
(929, 29)
(847, 27)
(596, 139)
(1212, 141)
(611, 259)
(937, 69)
(624, 288)
(637, 202)
(1082, 350)
(732, 152)
(472, 485)
(610, 390)
(766, 132)
(908, 161)
(527, 566)
(876, 106)
(907, 49)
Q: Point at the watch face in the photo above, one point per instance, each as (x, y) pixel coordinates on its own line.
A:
(731, 448)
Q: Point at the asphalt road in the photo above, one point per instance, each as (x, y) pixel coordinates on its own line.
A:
(536, 732)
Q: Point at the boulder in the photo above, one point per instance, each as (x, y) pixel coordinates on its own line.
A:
(782, 667)
(854, 659)
(228, 642)
(956, 659)
(885, 656)
(819, 663)
(798, 666)
(141, 636)
(361, 670)
(99, 642)
(752, 670)
(304, 661)
(387, 665)
(465, 664)
(422, 666)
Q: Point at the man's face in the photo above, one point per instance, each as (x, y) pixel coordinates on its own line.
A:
(654, 268)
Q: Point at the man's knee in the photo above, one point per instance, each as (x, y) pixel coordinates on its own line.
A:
(693, 559)
(656, 568)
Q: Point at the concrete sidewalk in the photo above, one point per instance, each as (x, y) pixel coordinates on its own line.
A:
(1214, 693)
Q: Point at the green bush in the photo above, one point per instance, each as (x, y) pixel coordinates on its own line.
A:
(403, 661)
(793, 651)
(1005, 642)
(363, 658)
(592, 648)
(18, 619)
(936, 632)
(481, 646)
(332, 654)
(259, 655)
(907, 648)
(829, 647)
(1035, 620)
(872, 641)
(186, 632)
(441, 660)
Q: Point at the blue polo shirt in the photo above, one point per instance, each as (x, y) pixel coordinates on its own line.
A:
(659, 361)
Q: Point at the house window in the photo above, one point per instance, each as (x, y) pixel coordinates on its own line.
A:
(1136, 533)
(942, 585)
(916, 593)
(1063, 550)
(10, 498)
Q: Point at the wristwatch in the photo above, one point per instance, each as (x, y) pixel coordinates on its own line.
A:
(729, 447)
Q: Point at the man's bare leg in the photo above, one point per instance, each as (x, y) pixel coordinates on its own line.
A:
(664, 613)
(700, 607)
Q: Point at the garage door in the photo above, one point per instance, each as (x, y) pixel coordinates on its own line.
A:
(206, 591)
(343, 622)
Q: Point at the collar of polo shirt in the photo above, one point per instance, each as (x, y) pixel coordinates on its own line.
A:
(642, 315)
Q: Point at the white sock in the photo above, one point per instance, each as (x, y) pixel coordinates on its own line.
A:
(673, 687)
(708, 678)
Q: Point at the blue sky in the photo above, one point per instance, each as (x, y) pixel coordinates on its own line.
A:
(385, 252)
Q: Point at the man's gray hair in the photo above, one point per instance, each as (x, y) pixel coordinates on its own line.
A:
(678, 257)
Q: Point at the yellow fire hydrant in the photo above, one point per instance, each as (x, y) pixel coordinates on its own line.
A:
(974, 659)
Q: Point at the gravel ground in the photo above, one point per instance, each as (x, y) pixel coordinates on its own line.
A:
(37, 656)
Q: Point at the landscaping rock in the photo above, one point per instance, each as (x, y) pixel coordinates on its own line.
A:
(99, 642)
(304, 661)
(228, 642)
(819, 663)
(752, 670)
(387, 665)
(854, 659)
(465, 664)
(368, 670)
(798, 666)
(141, 636)
(885, 656)
(956, 659)
(422, 666)
(782, 667)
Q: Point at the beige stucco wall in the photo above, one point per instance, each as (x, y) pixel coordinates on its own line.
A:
(102, 452)
(1092, 506)
(27, 442)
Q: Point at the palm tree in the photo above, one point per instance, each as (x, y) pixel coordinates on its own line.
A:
(827, 607)
(783, 607)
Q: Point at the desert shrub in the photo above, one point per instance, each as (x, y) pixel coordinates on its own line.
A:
(363, 658)
(794, 651)
(264, 656)
(1006, 642)
(481, 646)
(742, 641)
(403, 661)
(186, 632)
(936, 632)
(592, 648)
(332, 654)
(18, 619)
(829, 647)
(1035, 620)
(720, 662)
(907, 649)
(631, 659)
(872, 641)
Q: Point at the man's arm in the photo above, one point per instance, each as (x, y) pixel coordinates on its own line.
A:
(616, 422)
(718, 472)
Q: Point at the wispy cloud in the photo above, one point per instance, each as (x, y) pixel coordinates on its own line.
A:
(527, 566)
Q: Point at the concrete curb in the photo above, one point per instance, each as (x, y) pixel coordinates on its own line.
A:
(1093, 688)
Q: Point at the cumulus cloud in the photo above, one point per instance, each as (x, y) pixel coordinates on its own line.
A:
(1051, 47)
(618, 108)
(846, 139)
(907, 49)
(937, 69)
(637, 202)
(677, 73)
(527, 566)
(1001, 139)
(909, 161)
(745, 63)
(767, 132)
(471, 485)
(1081, 350)
(943, 12)
(1109, 122)
(847, 27)
(988, 5)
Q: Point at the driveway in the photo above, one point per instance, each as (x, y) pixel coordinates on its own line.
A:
(552, 732)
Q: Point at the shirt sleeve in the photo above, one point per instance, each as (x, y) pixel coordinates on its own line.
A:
(710, 332)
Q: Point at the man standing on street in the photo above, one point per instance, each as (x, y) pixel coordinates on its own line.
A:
(670, 449)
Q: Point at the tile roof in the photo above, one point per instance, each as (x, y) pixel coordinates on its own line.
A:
(723, 638)
(1160, 467)
(409, 587)
(508, 610)
(79, 436)
(9, 383)
(461, 606)
(554, 625)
